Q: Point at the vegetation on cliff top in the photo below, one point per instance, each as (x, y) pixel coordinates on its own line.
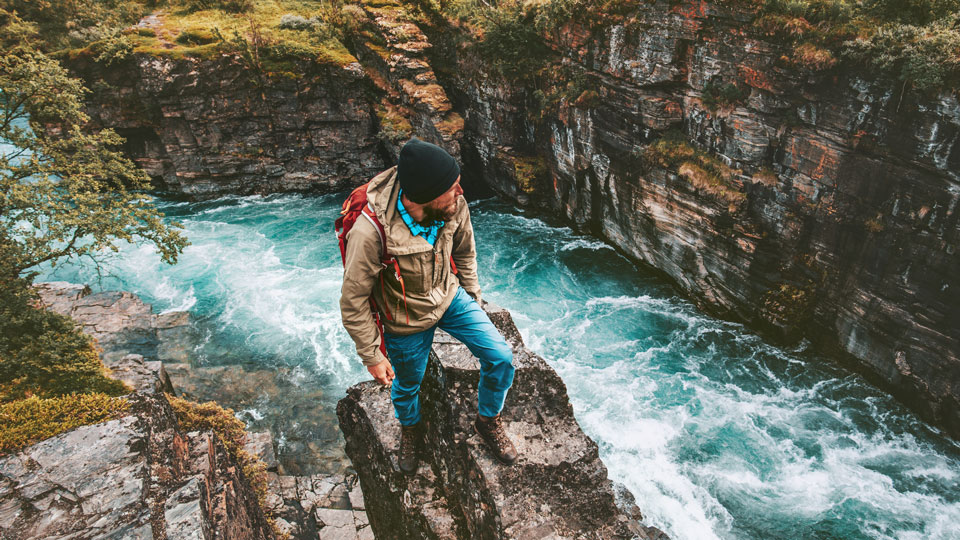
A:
(913, 42)
(209, 416)
(276, 34)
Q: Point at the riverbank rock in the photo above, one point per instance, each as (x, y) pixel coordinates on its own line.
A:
(558, 488)
(139, 476)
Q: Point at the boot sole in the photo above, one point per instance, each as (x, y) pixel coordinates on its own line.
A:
(486, 442)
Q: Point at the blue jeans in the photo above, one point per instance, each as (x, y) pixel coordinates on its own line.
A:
(466, 321)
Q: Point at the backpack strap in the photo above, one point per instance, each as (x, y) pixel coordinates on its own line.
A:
(386, 260)
(372, 218)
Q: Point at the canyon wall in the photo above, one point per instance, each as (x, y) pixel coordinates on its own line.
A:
(819, 206)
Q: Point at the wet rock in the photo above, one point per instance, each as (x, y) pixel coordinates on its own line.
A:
(558, 488)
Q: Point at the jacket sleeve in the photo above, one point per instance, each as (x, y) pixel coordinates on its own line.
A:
(465, 255)
(360, 269)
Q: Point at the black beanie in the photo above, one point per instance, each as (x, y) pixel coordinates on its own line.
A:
(425, 171)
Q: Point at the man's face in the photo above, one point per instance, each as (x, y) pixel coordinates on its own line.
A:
(444, 207)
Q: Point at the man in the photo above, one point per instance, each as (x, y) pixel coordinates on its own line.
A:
(425, 220)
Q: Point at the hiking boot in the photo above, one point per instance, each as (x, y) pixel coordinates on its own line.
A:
(492, 432)
(409, 444)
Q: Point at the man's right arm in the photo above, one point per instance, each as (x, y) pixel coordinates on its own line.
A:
(360, 269)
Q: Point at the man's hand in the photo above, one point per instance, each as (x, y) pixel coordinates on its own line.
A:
(382, 372)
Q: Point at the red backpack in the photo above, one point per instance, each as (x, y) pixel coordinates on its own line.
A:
(354, 206)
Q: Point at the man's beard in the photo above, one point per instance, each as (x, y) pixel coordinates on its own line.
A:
(431, 214)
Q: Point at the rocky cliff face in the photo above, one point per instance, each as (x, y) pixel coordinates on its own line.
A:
(817, 206)
(200, 128)
(558, 488)
(139, 476)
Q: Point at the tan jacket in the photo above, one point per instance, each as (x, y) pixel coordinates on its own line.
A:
(430, 285)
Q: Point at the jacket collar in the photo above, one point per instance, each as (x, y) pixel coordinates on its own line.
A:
(382, 194)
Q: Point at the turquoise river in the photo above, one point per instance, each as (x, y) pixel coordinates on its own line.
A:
(718, 433)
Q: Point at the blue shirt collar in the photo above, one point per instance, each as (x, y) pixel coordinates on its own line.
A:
(428, 232)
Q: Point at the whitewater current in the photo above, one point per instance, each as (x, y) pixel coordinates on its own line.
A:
(718, 433)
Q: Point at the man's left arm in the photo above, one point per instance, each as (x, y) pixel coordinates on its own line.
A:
(465, 255)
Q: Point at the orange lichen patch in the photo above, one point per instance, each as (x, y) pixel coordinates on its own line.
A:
(766, 177)
(821, 169)
(573, 35)
(696, 9)
(755, 78)
(431, 96)
(452, 124)
(814, 158)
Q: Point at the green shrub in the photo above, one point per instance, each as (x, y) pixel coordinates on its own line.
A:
(115, 48)
(927, 57)
(229, 6)
(511, 44)
(43, 353)
(292, 21)
(918, 12)
(26, 421)
(76, 22)
(915, 42)
(196, 36)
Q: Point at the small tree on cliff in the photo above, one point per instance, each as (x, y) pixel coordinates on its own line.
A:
(65, 192)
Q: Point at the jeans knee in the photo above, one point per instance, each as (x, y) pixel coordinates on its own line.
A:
(503, 356)
(499, 374)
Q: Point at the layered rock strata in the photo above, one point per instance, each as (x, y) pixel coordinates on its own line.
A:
(201, 129)
(394, 57)
(820, 204)
(558, 488)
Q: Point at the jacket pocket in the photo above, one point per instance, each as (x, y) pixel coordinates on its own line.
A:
(412, 270)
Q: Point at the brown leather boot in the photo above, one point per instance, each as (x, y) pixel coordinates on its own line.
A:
(409, 445)
(492, 432)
